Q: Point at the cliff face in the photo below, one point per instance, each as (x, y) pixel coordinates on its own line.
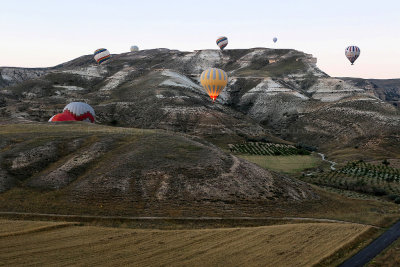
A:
(271, 92)
(12, 76)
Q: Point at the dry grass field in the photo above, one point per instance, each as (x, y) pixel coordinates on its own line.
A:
(12, 228)
(278, 245)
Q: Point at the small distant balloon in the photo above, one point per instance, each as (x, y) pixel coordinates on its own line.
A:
(101, 55)
(134, 48)
(352, 53)
(275, 39)
(222, 42)
(214, 81)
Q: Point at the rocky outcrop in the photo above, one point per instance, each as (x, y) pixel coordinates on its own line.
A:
(13, 76)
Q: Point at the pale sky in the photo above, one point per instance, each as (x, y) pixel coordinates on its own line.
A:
(43, 33)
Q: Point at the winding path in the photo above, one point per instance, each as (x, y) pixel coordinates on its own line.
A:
(331, 162)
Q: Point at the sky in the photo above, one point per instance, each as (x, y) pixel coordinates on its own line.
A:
(45, 33)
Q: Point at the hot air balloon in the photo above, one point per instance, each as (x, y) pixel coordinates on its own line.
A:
(62, 117)
(222, 42)
(275, 39)
(214, 81)
(80, 111)
(352, 53)
(134, 48)
(101, 55)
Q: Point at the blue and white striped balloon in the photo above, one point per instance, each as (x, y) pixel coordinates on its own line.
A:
(222, 42)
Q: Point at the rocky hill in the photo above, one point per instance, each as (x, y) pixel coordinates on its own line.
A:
(386, 89)
(273, 93)
(128, 171)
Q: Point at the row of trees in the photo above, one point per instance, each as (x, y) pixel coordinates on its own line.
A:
(267, 149)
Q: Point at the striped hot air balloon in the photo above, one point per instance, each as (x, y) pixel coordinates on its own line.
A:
(101, 55)
(134, 48)
(352, 53)
(222, 42)
(80, 111)
(214, 81)
(62, 117)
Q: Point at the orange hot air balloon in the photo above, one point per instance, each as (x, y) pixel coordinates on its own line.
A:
(214, 81)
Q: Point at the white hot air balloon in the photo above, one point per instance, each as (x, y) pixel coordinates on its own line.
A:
(134, 48)
(80, 111)
(101, 55)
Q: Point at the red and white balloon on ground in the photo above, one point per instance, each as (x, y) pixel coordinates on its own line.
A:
(80, 111)
(62, 117)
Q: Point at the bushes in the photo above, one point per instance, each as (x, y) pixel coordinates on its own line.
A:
(267, 149)
(362, 177)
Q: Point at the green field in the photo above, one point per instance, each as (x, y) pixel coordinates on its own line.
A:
(286, 164)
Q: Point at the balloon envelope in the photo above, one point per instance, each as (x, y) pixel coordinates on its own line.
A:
(62, 117)
(275, 39)
(134, 48)
(101, 55)
(80, 111)
(352, 53)
(214, 81)
(222, 42)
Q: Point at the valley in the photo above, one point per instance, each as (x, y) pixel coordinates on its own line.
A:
(160, 148)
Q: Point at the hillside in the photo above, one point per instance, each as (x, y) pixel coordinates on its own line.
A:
(386, 89)
(273, 94)
(75, 167)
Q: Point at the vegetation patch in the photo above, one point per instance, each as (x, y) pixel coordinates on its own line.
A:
(267, 149)
(380, 181)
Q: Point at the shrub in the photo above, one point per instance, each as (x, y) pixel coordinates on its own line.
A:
(309, 80)
(379, 191)
(397, 200)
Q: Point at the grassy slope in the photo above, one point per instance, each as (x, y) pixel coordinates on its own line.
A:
(294, 244)
(389, 257)
(332, 204)
(286, 164)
